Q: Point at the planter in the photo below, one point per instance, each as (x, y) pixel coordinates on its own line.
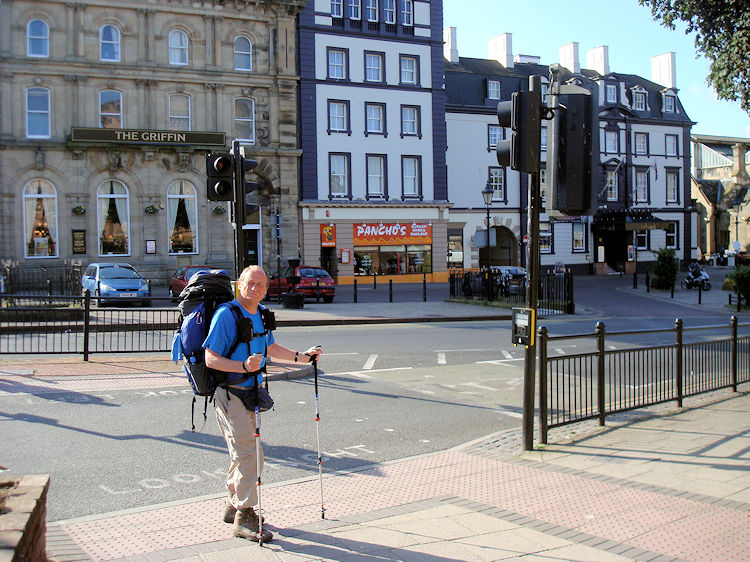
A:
(23, 517)
(293, 300)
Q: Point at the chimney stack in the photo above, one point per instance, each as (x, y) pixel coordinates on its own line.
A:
(450, 45)
(739, 167)
(569, 57)
(597, 59)
(500, 48)
(663, 70)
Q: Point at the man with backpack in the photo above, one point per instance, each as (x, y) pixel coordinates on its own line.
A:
(244, 365)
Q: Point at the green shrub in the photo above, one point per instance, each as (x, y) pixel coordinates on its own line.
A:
(741, 279)
(665, 269)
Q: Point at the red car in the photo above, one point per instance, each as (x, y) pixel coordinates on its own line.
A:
(180, 278)
(312, 279)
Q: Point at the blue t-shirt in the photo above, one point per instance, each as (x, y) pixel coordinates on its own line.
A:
(223, 332)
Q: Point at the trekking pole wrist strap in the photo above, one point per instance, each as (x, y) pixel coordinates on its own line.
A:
(244, 365)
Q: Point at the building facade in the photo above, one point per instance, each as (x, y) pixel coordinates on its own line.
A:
(372, 130)
(108, 112)
(640, 185)
(721, 188)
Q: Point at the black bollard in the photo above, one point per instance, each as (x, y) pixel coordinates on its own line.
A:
(390, 290)
(424, 287)
(648, 284)
(355, 289)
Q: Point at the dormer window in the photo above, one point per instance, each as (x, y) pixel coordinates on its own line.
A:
(611, 93)
(493, 89)
(669, 103)
(639, 101)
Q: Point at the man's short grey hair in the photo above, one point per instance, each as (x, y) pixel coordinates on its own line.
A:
(244, 276)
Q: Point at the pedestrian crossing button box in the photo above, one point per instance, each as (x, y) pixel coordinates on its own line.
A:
(524, 324)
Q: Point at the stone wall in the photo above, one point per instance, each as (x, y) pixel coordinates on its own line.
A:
(23, 518)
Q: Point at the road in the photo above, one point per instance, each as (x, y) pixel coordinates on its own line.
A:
(386, 392)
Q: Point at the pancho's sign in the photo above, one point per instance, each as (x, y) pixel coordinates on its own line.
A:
(146, 136)
(391, 234)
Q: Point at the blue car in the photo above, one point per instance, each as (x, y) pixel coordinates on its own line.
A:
(115, 282)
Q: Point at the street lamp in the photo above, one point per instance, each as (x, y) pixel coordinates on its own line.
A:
(487, 194)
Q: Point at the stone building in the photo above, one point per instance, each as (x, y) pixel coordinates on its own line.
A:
(108, 111)
(721, 188)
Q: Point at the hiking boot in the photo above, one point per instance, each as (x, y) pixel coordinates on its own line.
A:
(229, 511)
(267, 536)
(246, 524)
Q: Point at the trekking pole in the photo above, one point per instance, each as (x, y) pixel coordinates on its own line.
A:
(317, 429)
(257, 462)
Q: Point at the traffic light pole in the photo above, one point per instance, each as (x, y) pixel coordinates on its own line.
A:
(237, 219)
(532, 293)
(532, 301)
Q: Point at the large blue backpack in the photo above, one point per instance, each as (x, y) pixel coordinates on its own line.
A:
(204, 293)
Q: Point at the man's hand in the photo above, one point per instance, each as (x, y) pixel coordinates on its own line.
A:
(315, 352)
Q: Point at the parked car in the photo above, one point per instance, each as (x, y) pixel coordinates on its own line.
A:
(181, 277)
(115, 282)
(511, 279)
(308, 283)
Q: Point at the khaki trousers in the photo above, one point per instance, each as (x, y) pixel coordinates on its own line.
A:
(237, 425)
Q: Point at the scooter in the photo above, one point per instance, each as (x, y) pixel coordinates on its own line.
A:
(701, 280)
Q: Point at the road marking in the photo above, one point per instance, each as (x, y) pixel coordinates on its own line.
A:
(441, 358)
(370, 362)
(470, 349)
(330, 354)
(500, 361)
(479, 386)
(559, 351)
(360, 373)
(507, 354)
(511, 414)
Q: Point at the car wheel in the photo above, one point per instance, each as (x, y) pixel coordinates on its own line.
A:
(328, 298)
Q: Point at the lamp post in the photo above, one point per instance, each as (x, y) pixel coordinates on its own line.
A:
(487, 194)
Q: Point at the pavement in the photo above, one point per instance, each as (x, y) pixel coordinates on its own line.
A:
(667, 483)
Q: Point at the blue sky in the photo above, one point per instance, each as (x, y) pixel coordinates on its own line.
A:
(541, 27)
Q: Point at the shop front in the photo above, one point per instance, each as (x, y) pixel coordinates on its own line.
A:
(392, 249)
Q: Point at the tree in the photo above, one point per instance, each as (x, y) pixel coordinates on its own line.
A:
(722, 35)
(665, 269)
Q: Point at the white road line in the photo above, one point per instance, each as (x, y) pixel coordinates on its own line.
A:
(363, 375)
(479, 386)
(441, 358)
(500, 361)
(559, 351)
(452, 350)
(370, 362)
(507, 354)
(330, 354)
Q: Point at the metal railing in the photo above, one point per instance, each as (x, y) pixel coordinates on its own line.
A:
(555, 290)
(600, 382)
(57, 324)
(43, 280)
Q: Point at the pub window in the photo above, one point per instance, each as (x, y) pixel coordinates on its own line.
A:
(639, 101)
(392, 260)
(611, 143)
(641, 143)
(409, 69)
(411, 125)
(337, 64)
(40, 219)
(579, 237)
(493, 89)
(336, 8)
(455, 247)
(672, 187)
(178, 48)
(179, 112)
(671, 241)
(373, 67)
(113, 218)
(244, 120)
(338, 116)
(37, 113)
(611, 93)
(494, 135)
(375, 119)
(611, 185)
(109, 43)
(641, 186)
(182, 218)
(670, 145)
(110, 109)
(37, 36)
(641, 239)
(354, 9)
(243, 53)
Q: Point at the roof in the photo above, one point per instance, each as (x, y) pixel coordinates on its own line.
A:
(713, 190)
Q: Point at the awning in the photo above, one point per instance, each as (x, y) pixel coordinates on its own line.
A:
(628, 220)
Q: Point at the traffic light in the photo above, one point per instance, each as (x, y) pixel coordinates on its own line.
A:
(219, 176)
(572, 192)
(247, 205)
(522, 114)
